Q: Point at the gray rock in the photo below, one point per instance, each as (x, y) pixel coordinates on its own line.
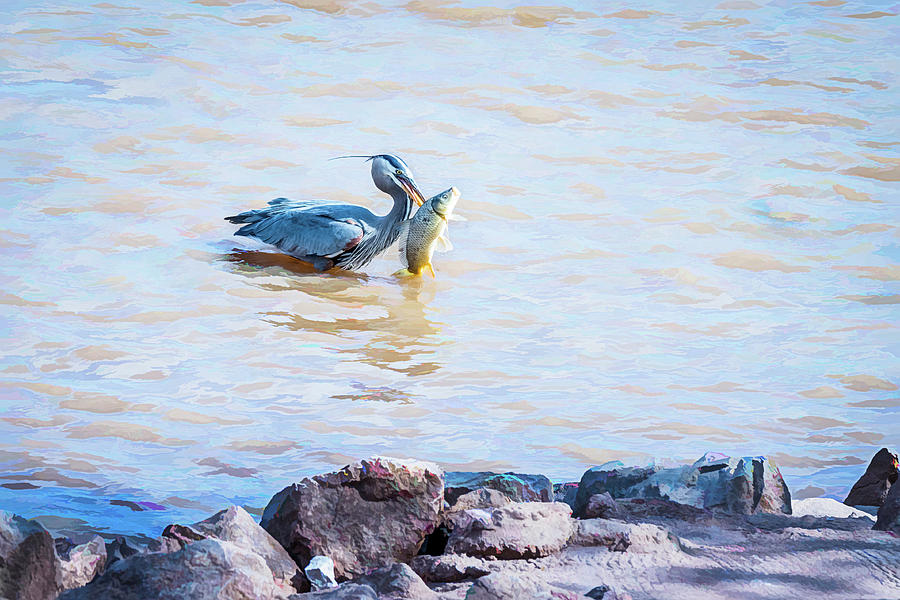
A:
(397, 582)
(367, 515)
(506, 586)
(208, 569)
(599, 593)
(235, 524)
(717, 482)
(889, 512)
(519, 530)
(346, 591)
(480, 498)
(566, 492)
(518, 487)
(640, 509)
(620, 536)
(872, 488)
(613, 477)
(29, 568)
(449, 568)
(81, 563)
(601, 506)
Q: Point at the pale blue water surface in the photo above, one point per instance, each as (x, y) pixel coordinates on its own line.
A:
(679, 234)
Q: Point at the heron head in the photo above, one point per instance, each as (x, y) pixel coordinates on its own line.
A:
(390, 173)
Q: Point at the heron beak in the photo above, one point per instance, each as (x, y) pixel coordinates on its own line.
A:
(411, 190)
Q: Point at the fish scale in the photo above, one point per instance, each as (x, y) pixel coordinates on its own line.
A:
(419, 236)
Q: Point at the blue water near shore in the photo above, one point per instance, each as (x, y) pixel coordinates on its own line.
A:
(679, 233)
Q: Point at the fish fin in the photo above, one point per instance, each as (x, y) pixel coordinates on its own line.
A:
(404, 274)
(431, 270)
(443, 242)
(402, 239)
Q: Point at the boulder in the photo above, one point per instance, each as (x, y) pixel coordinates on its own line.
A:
(872, 488)
(518, 487)
(29, 568)
(827, 507)
(506, 586)
(397, 582)
(346, 591)
(480, 498)
(565, 492)
(80, 563)
(519, 530)
(449, 568)
(612, 477)
(620, 536)
(601, 506)
(889, 512)
(718, 482)
(209, 569)
(367, 515)
(320, 573)
(235, 525)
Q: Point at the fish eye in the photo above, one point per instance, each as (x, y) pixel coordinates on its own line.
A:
(443, 196)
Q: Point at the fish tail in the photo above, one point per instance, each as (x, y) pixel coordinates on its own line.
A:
(431, 270)
(404, 273)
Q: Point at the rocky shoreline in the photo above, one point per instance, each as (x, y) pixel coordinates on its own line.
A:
(390, 529)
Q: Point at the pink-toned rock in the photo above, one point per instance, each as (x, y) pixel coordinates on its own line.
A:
(367, 515)
(519, 530)
(601, 506)
(208, 569)
(620, 536)
(80, 563)
(235, 525)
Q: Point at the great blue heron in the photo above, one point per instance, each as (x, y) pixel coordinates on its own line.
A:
(330, 235)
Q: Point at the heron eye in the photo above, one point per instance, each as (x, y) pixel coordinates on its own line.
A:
(399, 172)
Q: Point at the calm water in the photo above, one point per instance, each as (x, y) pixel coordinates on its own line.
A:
(679, 234)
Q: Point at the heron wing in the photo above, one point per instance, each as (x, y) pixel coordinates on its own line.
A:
(306, 232)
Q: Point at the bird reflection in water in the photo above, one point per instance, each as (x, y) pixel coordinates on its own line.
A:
(399, 337)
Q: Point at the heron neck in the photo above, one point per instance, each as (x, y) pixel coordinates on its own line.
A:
(401, 211)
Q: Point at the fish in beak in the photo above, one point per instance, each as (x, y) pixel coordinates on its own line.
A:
(411, 190)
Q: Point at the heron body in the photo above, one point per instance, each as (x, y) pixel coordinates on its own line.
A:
(329, 234)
